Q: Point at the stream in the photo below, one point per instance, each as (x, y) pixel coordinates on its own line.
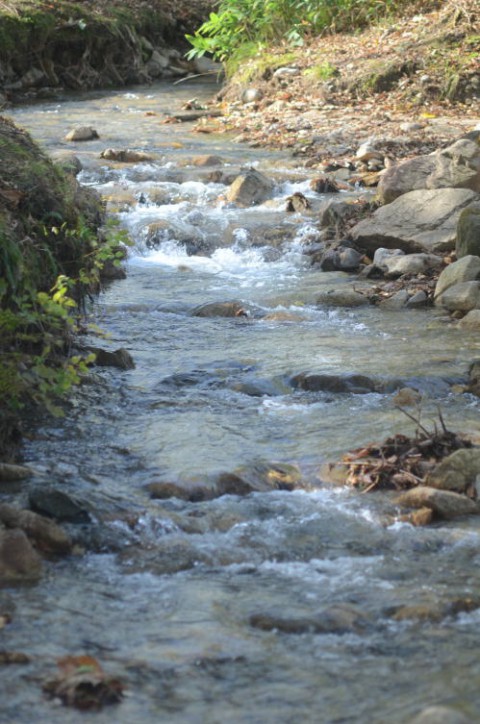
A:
(172, 596)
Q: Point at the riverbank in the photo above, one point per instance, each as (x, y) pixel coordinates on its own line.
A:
(49, 49)
(412, 83)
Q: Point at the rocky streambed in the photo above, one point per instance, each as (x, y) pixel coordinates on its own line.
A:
(186, 552)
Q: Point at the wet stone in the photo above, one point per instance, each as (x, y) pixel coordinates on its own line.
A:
(46, 535)
(440, 715)
(336, 619)
(444, 504)
(58, 505)
(19, 562)
(356, 384)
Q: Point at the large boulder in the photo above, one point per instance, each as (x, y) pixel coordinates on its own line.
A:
(418, 221)
(250, 188)
(466, 269)
(457, 166)
(468, 232)
(397, 266)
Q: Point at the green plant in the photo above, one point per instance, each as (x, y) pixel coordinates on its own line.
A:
(321, 72)
(240, 22)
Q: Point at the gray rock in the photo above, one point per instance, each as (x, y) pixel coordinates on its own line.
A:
(444, 503)
(120, 358)
(460, 297)
(82, 133)
(341, 259)
(357, 384)
(68, 162)
(336, 619)
(440, 715)
(457, 472)
(382, 257)
(468, 232)
(58, 505)
(250, 188)
(397, 300)
(471, 320)
(125, 155)
(397, 266)
(466, 269)
(418, 300)
(251, 95)
(342, 298)
(418, 221)
(260, 477)
(457, 166)
(222, 309)
(18, 559)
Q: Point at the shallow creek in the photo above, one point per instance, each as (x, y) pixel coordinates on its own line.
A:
(166, 595)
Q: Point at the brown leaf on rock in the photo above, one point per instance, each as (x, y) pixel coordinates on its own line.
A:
(82, 683)
(401, 462)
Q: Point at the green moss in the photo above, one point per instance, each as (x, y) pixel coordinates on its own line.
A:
(321, 72)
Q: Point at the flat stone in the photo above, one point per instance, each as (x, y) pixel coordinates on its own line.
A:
(357, 384)
(418, 221)
(342, 298)
(336, 619)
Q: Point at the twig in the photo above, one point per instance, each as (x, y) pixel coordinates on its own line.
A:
(417, 422)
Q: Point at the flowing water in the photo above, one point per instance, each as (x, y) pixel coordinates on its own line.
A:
(169, 592)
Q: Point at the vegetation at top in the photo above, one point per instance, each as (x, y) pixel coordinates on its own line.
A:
(241, 27)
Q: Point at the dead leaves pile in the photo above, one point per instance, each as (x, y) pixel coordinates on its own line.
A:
(83, 684)
(400, 462)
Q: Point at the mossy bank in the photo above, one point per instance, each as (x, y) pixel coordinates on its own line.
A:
(51, 255)
(47, 47)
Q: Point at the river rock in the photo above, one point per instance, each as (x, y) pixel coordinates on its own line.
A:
(353, 384)
(336, 619)
(11, 473)
(68, 162)
(250, 188)
(222, 309)
(341, 259)
(445, 504)
(471, 320)
(418, 300)
(46, 535)
(56, 504)
(468, 232)
(207, 161)
(334, 213)
(457, 472)
(260, 477)
(418, 221)
(120, 358)
(397, 301)
(460, 297)
(440, 715)
(342, 298)
(397, 266)
(82, 133)
(466, 269)
(457, 166)
(125, 155)
(383, 257)
(19, 561)
(251, 95)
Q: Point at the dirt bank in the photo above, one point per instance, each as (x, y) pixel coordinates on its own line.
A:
(48, 47)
